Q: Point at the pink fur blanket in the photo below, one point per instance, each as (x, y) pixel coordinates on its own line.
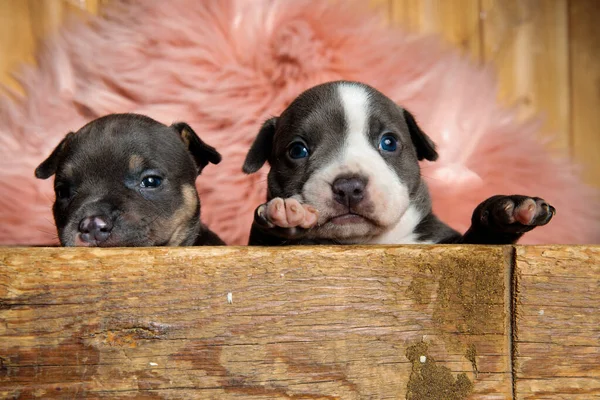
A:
(224, 66)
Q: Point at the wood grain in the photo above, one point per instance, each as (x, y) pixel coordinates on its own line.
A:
(17, 41)
(24, 23)
(457, 21)
(557, 322)
(384, 8)
(527, 42)
(585, 80)
(304, 323)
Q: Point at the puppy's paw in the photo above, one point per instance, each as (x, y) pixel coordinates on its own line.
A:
(515, 213)
(286, 213)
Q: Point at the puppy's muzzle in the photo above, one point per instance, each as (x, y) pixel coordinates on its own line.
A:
(95, 229)
(349, 191)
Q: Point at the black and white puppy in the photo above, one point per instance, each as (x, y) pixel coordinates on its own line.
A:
(345, 170)
(128, 180)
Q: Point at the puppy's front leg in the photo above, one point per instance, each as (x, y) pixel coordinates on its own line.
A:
(504, 219)
(282, 221)
(208, 238)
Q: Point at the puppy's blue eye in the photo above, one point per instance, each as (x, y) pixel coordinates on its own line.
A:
(151, 182)
(388, 143)
(298, 150)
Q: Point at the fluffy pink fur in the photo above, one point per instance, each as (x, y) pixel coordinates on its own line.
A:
(224, 66)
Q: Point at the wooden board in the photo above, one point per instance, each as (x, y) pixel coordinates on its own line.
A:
(24, 23)
(528, 44)
(457, 21)
(17, 41)
(558, 322)
(304, 323)
(585, 81)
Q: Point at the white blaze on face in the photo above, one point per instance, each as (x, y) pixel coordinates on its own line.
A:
(388, 196)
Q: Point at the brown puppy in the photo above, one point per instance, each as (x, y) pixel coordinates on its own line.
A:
(128, 180)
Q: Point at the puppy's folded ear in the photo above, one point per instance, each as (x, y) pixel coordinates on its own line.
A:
(48, 167)
(424, 145)
(201, 152)
(261, 148)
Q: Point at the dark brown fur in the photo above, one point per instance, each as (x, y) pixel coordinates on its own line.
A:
(100, 172)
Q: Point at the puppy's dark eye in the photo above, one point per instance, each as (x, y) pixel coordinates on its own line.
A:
(298, 150)
(62, 191)
(151, 181)
(388, 143)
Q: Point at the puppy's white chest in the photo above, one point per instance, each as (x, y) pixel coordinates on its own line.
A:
(404, 231)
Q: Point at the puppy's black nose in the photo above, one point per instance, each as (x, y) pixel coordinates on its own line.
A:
(95, 229)
(349, 191)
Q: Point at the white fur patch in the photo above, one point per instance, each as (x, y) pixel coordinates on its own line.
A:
(404, 231)
(389, 195)
(355, 101)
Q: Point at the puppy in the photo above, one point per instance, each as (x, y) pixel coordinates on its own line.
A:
(128, 180)
(345, 170)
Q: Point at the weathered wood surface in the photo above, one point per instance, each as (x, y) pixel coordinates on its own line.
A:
(528, 43)
(557, 323)
(584, 62)
(23, 23)
(428, 322)
(340, 322)
(457, 21)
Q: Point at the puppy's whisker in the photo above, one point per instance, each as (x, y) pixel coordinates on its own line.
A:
(50, 222)
(53, 235)
(48, 233)
(432, 178)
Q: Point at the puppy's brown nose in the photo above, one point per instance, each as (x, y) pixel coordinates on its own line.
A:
(95, 229)
(349, 191)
